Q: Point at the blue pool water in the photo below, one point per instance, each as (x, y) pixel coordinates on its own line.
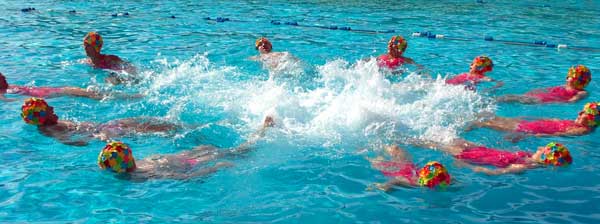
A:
(332, 110)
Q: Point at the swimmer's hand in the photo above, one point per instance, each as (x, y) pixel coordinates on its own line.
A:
(379, 186)
(515, 137)
(7, 99)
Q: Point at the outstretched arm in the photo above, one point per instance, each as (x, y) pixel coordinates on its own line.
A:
(579, 96)
(246, 146)
(387, 186)
(408, 60)
(3, 98)
(513, 168)
(75, 91)
(493, 88)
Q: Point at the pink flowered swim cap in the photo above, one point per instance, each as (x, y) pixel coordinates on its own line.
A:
(580, 76)
(93, 39)
(483, 64)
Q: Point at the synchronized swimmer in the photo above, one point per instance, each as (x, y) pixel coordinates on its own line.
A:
(50, 92)
(476, 74)
(118, 158)
(477, 156)
(586, 122)
(270, 59)
(202, 160)
(37, 112)
(405, 173)
(578, 77)
(92, 43)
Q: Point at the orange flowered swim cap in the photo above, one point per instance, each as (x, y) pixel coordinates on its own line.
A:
(483, 64)
(434, 174)
(556, 154)
(116, 157)
(93, 39)
(580, 76)
(36, 111)
(399, 42)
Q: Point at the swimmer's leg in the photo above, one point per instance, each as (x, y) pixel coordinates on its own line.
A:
(496, 123)
(74, 91)
(209, 170)
(147, 124)
(517, 98)
(398, 154)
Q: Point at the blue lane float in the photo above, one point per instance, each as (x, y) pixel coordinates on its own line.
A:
(331, 27)
(29, 9)
(535, 43)
(124, 14)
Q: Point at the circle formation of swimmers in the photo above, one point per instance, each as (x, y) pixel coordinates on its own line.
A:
(118, 157)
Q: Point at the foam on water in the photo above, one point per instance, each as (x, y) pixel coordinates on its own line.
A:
(346, 104)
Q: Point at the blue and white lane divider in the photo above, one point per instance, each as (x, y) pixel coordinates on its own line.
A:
(344, 28)
(535, 43)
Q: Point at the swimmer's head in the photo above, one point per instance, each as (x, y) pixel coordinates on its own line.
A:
(481, 64)
(116, 157)
(92, 42)
(3, 83)
(554, 154)
(434, 174)
(579, 77)
(263, 45)
(589, 116)
(36, 111)
(397, 45)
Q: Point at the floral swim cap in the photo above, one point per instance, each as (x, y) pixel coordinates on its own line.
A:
(580, 75)
(93, 39)
(483, 64)
(591, 111)
(434, 174)
(399, 43)
(259, 41)
(116, 157)
(556, 154)
(36, 111)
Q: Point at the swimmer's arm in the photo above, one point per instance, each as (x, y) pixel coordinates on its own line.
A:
(580, 95)
(73, 142)
(3, 98)
(569, 132)
(254, 58)
(408, 60)
(387, 186)
(75, 91)
(452, 148)
(199, 173)
(246, 146)
(513, 168)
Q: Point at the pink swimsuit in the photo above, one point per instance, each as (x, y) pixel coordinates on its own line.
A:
(463, 78)
(546, 126)
(553, 94)
(391, 63)
(407, 170)
(481, 155)
(34, 91)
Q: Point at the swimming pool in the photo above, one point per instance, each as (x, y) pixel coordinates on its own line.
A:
(329, 108)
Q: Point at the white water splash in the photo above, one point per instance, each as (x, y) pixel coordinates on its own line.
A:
(348, 104)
